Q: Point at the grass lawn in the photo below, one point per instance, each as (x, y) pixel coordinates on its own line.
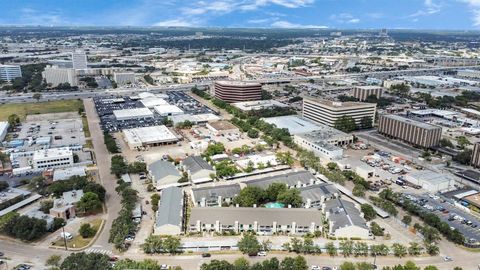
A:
(78, 241)
(86, 130)
(24, 109)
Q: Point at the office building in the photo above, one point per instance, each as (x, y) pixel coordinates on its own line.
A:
(413, 132)
(475, 162)
(262, 221)
(327, 112)
(10, 72)
(236, 91)
(345, 220)
(55, 76)
(363, 92)
(79, 60)
(124, 78)
(52, 158)
(169, 218)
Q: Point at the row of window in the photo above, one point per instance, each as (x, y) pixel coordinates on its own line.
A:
(52, 160)
(53, 165)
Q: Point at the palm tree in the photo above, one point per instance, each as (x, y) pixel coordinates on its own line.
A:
(415, 249)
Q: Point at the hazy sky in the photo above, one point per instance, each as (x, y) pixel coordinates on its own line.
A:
(415, 14)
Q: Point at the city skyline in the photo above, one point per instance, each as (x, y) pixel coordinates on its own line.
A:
(329, 14)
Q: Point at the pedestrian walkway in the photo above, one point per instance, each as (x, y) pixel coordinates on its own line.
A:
(99, 251)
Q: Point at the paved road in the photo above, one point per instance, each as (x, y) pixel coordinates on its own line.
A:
(108, 180)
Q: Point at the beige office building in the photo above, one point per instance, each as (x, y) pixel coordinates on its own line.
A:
(362, 92)
(413, 132)
(475, 162)
(327, 112)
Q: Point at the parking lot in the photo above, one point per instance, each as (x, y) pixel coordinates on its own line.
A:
(106, 105)
(467, 224)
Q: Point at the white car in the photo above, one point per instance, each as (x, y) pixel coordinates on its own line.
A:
(164, 267)
(447, 259)
(262, 253)
(314, 267)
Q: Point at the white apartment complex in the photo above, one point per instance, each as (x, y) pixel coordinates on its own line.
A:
(327, 112)
(79, 60)
(52, 158)
(10, 72)
(55, 76)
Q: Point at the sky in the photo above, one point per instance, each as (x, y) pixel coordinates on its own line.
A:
(334, 14)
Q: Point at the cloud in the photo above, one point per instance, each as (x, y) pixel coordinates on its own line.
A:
(287, 24)
(177, 22)
(32, 16)
(475, 6)
(344, 18)
(429, 8)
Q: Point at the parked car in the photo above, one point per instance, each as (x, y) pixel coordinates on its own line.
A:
(206, 255)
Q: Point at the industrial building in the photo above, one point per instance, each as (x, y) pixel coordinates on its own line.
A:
(222, 128)
(52, 158)
(168, 110)
(327, 112)
(345, 220)
(430, 180)
(293, 123)
(55, 76)
(9, 72)
(151, 102)
(263, 221)
(363, 92)
(164, 174)
(198, 169)
(413, 132)
(135, 113)
(169, 217)
(475, 161)
(149, 136)
(237, 91)
(194, 118)
(215, 195)
(124, 78)
(324, 142)
(258, 105)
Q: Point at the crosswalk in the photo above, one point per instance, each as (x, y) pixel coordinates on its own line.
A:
(100, 251)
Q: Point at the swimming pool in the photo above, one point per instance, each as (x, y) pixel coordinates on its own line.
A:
(275, 205)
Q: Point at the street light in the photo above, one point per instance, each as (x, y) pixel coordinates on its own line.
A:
(64, 236)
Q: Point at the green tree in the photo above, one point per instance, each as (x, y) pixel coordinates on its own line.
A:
(444, 142)
(53, 260)
(13, 120)
(348, 266)
(241, 264)
(46, 205)
(171, 244)
(273, 190)
(407, 219)
(415, 249)
(368, 211)
(86, 261)
(290, 197)
(331, 249)
(86, 230)
(376, 229)
(89, 202)
(430, 267)
(346, 124)
(432, 249)
(252, 133)
(366, 122)
(37, 96)
(346, 247)
(462, 141)
(285, 158)
(249, 244)
(399, 250)
(249, 196)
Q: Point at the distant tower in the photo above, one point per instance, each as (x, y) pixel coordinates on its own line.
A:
(79, 60)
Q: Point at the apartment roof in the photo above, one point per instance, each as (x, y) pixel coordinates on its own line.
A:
(248, 215)
(170, 207)
(226, 191)
(196, 163)
(343, 213)
(290, 178)
(317, 191)
(161, 169)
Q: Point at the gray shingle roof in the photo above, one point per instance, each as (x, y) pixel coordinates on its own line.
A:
(161, 169)
(315, 192)
(226, 191)
(343, 213)
(196, 163)
(248, 215)
(290, 178)
(170, 207)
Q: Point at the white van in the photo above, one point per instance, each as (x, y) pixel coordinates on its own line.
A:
(66, 235)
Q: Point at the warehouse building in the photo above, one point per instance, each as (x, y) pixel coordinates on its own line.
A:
(215, 195)
(169, 218)
(327, 112)
(149, 136)
(262, 221)
(168, 110)
(363, 92)
(345, 220)
(52, 158)
(194, 118)
(222, 128)
(151, 102)
(258, 105)
(413, 132)
(431, 181)
(294, 124)
(475, 161)
(164, 174)
(136, 113)
(237, 91)
(324, 142)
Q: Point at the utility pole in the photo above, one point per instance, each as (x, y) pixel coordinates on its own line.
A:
(64, 236)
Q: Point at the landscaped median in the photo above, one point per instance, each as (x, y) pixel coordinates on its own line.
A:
(78, 242)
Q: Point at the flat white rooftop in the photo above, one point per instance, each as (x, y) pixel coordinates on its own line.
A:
(151, 102)
(258, 105)
(195, 118)
(52, 153)
(293, 123)
(133, 113)
(147, 135)
(168, 109)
